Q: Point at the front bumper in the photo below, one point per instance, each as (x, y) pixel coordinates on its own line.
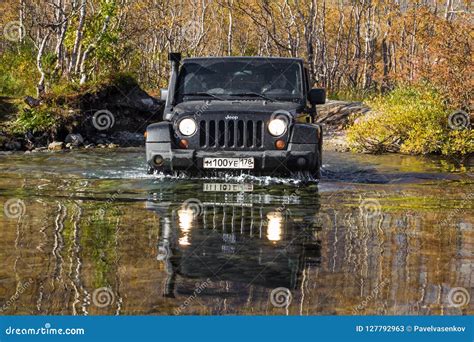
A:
(303, 152)
(295, 158)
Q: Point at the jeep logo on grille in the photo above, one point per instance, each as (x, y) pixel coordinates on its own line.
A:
(231, 117)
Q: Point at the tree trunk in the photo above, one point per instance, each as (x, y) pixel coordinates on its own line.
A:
(449, 8)
(89, 49)
(386, 63)
(22, 21)
(77, 42)
(59, 50)
(40, 88)
(229, 34)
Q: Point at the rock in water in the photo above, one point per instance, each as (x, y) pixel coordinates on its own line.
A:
(56, 146)
(74, 139)
(13, 145)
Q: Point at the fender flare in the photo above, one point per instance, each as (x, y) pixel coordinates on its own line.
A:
(160, 132)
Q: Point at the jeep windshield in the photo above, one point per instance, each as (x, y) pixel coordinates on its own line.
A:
(240, 78)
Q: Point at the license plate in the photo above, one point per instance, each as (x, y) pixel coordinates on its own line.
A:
(229, 163)
(225, 187)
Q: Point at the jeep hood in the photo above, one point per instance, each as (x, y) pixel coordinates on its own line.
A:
(233, 106)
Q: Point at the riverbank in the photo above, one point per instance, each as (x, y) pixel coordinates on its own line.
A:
(116, 116)
(106, 115)
(336, 116)
(116, 113)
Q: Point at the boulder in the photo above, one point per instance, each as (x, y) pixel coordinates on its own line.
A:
(128, 106)
(74, 139)
(13, 145)
(336, 114)
(3, 140)
(56, 146)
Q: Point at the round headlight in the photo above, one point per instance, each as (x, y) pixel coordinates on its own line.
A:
(187, 126)
(277, 127)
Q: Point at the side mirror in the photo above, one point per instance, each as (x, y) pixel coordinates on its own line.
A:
(163, 94)
(317, 96)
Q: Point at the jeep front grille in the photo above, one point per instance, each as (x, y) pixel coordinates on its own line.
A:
(234, 134)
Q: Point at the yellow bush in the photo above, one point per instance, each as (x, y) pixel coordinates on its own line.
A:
(411, 120)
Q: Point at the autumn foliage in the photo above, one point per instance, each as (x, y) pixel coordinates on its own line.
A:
(354, 48)
(362, 45)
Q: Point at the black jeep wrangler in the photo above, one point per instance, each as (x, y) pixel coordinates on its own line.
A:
(239, 115)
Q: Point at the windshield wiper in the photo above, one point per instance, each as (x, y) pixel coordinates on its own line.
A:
(256, 95)
(203, 93)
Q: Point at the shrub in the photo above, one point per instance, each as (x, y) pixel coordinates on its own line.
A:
(410, 120)
(34, 120)
(18, 72)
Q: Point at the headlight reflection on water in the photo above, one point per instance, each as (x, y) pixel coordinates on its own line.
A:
(275, 226)
(186, 218)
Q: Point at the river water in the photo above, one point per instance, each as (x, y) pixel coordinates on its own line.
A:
(90, 233)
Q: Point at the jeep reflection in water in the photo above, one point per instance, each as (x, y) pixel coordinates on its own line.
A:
(238, 115)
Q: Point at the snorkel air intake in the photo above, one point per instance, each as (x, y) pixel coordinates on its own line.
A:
(175, 59)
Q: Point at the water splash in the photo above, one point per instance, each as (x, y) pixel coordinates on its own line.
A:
(297, 179)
